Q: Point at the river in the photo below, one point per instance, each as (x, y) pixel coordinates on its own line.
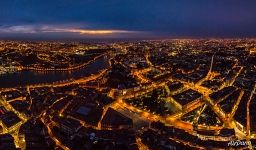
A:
(28, 77)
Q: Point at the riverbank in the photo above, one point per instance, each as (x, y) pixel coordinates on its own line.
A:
(34, 77)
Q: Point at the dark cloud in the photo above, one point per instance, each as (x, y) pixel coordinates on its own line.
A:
(174, 18)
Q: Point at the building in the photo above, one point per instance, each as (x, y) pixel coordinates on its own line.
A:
(67, 125)
(116, 120)
(7, 142)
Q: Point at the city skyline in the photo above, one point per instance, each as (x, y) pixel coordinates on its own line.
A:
(127, 74)
(142, 95)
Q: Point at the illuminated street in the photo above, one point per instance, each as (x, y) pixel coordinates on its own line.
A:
(127, 75)
(146, 95)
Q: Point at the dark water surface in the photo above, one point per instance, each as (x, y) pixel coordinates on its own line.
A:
(24, 78)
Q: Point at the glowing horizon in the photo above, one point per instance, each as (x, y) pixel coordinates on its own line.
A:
(33, 29)
(89, 32)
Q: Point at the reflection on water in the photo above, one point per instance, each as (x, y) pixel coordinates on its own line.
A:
(24, 78)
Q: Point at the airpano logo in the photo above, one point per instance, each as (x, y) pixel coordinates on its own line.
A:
(239, 143)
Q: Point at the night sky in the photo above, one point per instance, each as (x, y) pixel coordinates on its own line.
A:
(79, 19)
